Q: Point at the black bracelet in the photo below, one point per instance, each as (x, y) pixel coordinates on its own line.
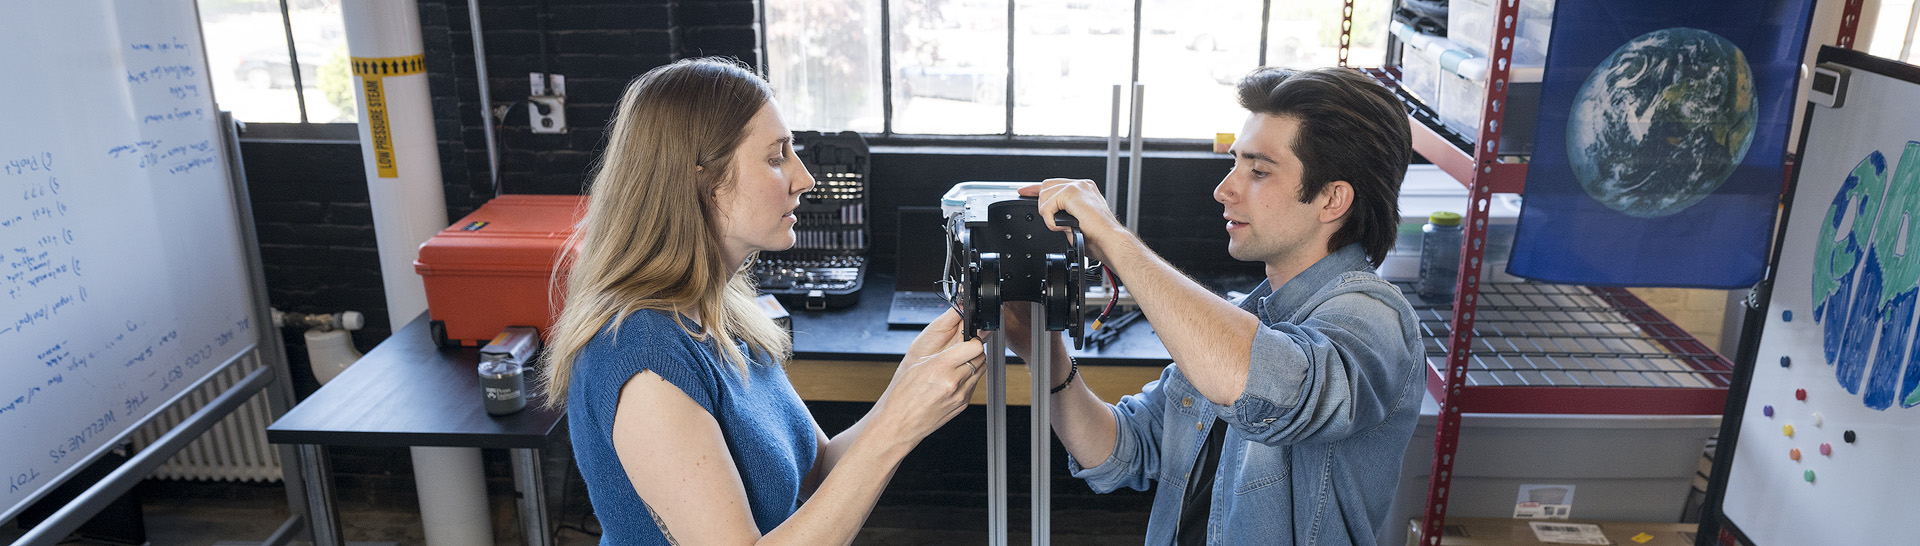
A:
(1070, 373)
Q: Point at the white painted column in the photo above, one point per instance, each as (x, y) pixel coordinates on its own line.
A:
(409, 206)
(396, 137)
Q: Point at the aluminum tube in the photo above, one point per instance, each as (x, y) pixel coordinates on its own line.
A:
(1113, 152)
(96, 498)
(1133, 165)
(530, 480)
(486, 97)
(1042, 434)
(996, 439)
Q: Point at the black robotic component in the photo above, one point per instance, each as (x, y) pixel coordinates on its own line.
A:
(1008, 254)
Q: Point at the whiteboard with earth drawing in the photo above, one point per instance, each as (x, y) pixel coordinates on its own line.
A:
(1829, 439)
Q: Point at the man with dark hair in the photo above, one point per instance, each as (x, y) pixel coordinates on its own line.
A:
(1286, 414)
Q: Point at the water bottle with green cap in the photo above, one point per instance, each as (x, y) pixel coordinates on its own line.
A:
(1439, 257)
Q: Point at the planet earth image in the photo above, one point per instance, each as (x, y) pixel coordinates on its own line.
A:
(1662, 121)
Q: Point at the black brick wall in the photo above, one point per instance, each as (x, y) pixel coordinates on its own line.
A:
(599, 45)
(310, 199)
(316, 237)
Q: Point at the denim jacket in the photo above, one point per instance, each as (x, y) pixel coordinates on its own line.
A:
(1316, 439)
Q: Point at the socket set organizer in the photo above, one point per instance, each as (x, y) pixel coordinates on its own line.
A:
(828, 262)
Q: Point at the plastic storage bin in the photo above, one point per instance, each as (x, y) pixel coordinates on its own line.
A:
(1470, 22)
(493, 268)
(1427, 189)
(1622, 467)
(1463, 94)
(1419, 74)
(1420, 58)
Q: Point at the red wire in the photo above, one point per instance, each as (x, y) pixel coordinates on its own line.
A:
(1113, 294)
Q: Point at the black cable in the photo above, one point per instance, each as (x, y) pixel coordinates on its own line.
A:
(500, 142)
(541, 21)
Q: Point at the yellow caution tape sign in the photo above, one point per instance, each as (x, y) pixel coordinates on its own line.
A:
(371, 70)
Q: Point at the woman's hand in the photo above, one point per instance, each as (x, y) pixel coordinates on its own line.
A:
(932, 385)
(943, 332)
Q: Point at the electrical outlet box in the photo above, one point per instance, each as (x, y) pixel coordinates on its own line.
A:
(547, 113)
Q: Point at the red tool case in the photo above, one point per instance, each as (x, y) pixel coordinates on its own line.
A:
(494, 268)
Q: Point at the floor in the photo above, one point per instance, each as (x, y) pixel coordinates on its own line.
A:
(189, 514)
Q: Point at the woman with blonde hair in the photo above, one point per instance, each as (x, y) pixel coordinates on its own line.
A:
(683, 422)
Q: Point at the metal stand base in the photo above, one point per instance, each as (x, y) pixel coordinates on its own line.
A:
(1041, 489)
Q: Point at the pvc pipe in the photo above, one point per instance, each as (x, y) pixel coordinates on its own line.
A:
(453, 496)
(401, 155)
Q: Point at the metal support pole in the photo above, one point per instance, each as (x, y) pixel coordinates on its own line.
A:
(996, 439)
(1042, 450)
(1346, 32)
(529, 480)
(322, 514)
(1113, 152)
(1133, 165)
(486, 98)
(1486, 153)
(103, 492)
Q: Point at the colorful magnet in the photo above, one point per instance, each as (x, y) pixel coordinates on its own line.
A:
(1794, 454)
(1787, 316)
(1787, 430)
(1768, 410)
(1786, 362)
(1800, 394)
(1826, 449)
(1848, 436)
(1817, 420)
(1809, 475)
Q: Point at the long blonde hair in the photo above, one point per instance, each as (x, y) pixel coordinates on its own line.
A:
(651, 238)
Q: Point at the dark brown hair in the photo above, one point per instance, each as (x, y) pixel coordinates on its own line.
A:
(1352, 129)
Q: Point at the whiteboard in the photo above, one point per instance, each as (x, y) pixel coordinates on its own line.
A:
(123, 275)
(1848, 341)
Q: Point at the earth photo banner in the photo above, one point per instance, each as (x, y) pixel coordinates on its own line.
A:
(1658, 153)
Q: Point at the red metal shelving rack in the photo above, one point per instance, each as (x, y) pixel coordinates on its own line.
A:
(1648, 365)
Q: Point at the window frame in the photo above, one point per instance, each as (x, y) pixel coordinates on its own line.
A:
(299, 89)
(1007, 138)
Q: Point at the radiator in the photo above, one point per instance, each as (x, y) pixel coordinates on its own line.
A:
(235, 449)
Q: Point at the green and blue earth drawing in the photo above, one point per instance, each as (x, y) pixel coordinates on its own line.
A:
(1662, 121)
(1866, 275)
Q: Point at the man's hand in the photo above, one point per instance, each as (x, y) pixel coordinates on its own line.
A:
(1081, 199)
(1014, 323)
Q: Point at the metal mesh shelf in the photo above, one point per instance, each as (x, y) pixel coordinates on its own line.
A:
(1572, 349)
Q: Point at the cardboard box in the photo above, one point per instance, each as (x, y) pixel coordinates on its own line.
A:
(1517, 532)
(494, 268)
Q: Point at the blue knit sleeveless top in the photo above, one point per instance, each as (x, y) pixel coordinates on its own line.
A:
(767, 428)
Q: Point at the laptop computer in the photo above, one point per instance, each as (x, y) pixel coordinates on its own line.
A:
(918, 258)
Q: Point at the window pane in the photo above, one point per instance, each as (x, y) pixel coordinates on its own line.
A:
(823, 60)
(1067, 57)
(1190, 58)
(1895, 31)
(1306, 33)
(247, 60)
(320, 40)
(950, 66)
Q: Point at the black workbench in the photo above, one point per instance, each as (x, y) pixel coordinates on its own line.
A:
(407, 392)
